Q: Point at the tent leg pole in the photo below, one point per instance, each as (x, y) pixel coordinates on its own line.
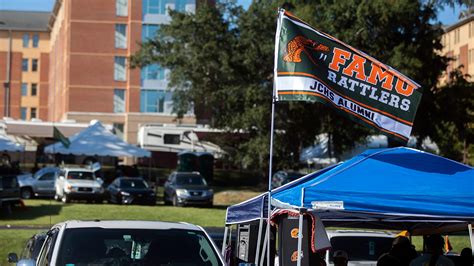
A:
(224, 240)
(264, 249)
(300, 239)
(471, 236)
(259, 239)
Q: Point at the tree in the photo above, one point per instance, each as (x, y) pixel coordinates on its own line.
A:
(454, 106)
(221, 59)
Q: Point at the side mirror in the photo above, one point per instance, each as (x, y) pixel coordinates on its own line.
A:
(12, 258)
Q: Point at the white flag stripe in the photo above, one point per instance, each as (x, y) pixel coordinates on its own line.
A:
(303, 84)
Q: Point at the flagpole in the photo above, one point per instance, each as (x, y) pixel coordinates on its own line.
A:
(270, 161)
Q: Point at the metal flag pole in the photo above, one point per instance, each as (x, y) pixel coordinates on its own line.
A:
(270, 163)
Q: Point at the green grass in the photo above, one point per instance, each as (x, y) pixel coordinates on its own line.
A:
(45, 212)
(13, 241)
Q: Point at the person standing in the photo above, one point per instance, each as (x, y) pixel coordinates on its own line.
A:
(433, 255)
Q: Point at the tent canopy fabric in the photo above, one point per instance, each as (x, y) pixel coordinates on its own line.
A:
(6, 145)
(96, 140)
(400, 187)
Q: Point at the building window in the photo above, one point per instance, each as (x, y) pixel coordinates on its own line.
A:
(149, 32)
(162, 6)
(32, 113)
(156, 101)
(471, 29)
(119, 69)
(118, 129)
(35, 40)
(24, 64)
(121, 36)
(34, 89)
(153, 72)
(121, 8)
(34, 65)
(24, 89)
(456, 35)
(26, 40)
(119, 101)
(23, 113)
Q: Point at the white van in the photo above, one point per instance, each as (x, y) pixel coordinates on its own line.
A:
(362, 247)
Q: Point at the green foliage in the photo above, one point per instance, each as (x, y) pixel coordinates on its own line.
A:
(455, 118)
(221, 62)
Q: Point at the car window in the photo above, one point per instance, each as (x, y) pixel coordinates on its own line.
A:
(190, 180)
(80, 175)
(99, 246)
(133, 183)
(47, 250)
(47, 177)
(26, 253)
(361, 248)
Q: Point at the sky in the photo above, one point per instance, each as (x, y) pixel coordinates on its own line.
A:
(448, 16)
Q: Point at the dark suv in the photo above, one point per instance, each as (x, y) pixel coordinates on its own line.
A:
(9, 193)
(187, 188)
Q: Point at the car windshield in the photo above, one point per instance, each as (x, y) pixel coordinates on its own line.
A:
(190, 180)
(133, 183)
(361, 248)
(99, 246)
(80, 175)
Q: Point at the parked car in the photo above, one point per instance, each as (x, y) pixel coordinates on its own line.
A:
(9, 193)
(39, 184)
(131, 190)
(362, 247)
(128, 243)
(30, 252)
(283, 177)
(185, 188)
(78, 184)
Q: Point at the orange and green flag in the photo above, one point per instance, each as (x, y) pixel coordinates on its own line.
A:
(313, 66)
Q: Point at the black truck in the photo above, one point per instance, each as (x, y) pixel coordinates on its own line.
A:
(9, 193)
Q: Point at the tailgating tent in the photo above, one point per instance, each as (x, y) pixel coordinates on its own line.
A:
(96, 140)
(395, 188)
(7, 145)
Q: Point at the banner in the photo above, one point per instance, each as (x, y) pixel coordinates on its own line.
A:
(59, 136)
(313, 66)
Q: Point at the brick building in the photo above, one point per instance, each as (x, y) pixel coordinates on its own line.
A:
(458, 42)
(24, 64)
(91, 41)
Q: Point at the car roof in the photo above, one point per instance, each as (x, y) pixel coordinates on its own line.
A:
(129, 224)
(333, 233)
(130, 178)
(78, 169)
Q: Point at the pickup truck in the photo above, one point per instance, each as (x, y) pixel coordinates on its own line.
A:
(9, 193)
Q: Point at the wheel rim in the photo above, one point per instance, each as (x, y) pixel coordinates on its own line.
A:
(26, 193)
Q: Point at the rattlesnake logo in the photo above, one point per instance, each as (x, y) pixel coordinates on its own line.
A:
(299, 44)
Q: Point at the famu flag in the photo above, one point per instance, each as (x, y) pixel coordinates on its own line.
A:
(59, 136)
(313, 66)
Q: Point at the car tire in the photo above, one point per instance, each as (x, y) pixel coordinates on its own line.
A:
(175, 201)
(98, 201)
(65, 198)
(26, 193)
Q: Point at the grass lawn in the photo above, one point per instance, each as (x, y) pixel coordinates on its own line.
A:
(13, 241)
(48, 212)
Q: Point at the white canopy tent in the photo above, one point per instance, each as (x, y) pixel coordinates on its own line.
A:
(6, 145)
(96, 140)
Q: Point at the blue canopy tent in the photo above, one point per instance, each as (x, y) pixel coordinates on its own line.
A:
(394, 188)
